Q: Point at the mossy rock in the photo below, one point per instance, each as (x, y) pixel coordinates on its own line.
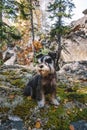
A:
(78, 97)
(17, 82)
(4, 110)
(53, 118)
(23, 110)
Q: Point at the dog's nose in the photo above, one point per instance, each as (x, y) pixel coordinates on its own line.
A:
(41, 66)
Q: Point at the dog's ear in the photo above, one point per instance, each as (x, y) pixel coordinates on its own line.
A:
(39, 56)
(52, 54)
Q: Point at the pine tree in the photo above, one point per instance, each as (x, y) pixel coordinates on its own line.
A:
(13, 10)
(60, 10)
(8, 12)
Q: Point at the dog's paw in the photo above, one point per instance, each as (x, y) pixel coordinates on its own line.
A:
(41, 103)
(55, 102)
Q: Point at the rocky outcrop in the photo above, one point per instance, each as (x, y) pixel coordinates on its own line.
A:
(9, 55)
(20, 113)
(74, 72)
(76, 41)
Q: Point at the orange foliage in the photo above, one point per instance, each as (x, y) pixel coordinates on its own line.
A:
(37, 45)
(25, 56)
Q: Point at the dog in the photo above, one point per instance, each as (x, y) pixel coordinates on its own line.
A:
(43, 83)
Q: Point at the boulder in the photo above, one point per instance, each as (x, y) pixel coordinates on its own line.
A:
(76, 41)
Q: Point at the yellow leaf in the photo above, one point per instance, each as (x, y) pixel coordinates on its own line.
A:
(38, 125)
(68, 112)
(29, 98)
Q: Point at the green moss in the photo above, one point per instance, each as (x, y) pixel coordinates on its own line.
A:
(82, 114)
(61, 85)
(1, 62)
(23, 110)
(78, 97)
(53, 118)
(4, 110)
(60, 118)
(57, 118)
(61, 93)
(18, 82)
(8, 72)
(77, 114)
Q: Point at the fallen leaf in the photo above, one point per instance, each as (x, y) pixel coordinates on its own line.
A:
(71, 127)
(38, 125)
(65, 101)
(29, 98)
(11, 96)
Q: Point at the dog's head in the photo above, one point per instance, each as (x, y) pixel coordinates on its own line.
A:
(45, 69)
(47, 59)
(46, 64)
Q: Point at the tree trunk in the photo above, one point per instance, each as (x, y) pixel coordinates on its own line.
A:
(1, 22)
(59, 47)
(59, 40)
(58, 52)
(32, 26)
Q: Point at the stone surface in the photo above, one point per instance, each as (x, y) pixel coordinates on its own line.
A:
(74, 72)
(12, 81)
(76, 41)
(79, 125)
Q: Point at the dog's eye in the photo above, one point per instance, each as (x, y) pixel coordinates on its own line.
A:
(41, 66)
(49, 60)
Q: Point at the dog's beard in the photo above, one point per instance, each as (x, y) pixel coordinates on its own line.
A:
(43, 69)
(44, 73)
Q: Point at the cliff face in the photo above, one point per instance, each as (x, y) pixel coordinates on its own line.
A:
(76, 41)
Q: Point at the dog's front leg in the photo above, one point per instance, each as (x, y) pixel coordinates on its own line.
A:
(40, 97)
(41, 102)
(40, 94)
(54, 99)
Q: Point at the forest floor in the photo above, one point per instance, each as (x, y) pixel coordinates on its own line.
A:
(21, 113)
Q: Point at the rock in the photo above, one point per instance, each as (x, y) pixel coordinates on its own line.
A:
(13, 103)
(9, 56)
(14, 118)
(73, 72)
(79, 125)
(76, 41)
(12, 125)
(85, 11)
(71, 105)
